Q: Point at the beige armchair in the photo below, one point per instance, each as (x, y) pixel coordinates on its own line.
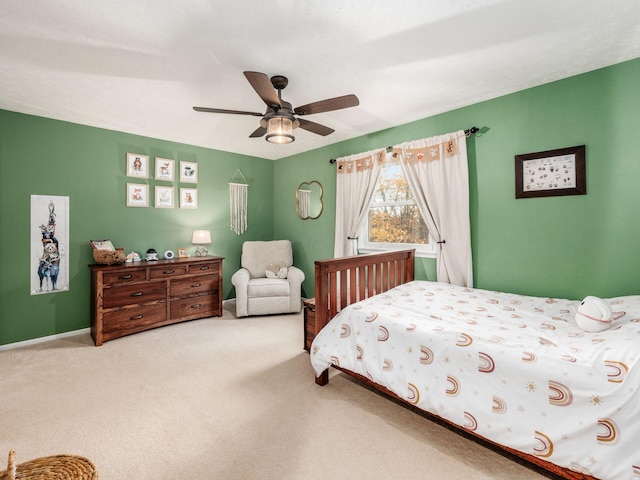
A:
(258, 295)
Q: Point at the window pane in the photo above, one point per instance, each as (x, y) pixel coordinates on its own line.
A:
(397, 224)
(392, 186)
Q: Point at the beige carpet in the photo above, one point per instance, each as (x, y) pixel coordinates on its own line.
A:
(219, 398)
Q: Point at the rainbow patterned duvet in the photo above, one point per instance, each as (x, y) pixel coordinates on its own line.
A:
(514, 369)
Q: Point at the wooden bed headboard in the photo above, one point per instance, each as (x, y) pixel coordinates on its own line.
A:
(343, 281)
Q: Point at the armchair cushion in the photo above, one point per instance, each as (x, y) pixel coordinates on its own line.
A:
(257, 256)
(267, 287)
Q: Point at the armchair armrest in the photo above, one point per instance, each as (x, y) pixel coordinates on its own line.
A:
(295, 276)
(240, 280)
(241, 277)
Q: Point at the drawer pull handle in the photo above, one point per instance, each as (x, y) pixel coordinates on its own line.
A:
(168, 272)
(195, 285)
(204, 268)
(137, 317)
(137, 294)
(196, 305)
(125, 277)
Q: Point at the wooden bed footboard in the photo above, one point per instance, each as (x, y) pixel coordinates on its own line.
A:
(343, 281)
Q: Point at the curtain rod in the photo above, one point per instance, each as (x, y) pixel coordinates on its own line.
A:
(468, 132)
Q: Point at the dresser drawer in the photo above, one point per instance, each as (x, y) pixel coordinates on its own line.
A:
(122, 295)
(134, 318)
(208, 267)
(167, 271)
(195, 307)
(193, 285)
(132, 275)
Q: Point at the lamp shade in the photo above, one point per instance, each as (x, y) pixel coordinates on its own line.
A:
(201, 237)
(280, 130)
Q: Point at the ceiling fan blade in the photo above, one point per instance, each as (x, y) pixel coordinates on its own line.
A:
(328, 105)
(258, 132)
(263, 87)
(221, 110)
(314, 127)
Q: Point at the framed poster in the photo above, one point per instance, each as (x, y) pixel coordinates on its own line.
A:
(189, 172)
(137, 195)
(551, 173)
(188, 198)
(164, 169)
(137, 165)
(164, 197)
(49, 266)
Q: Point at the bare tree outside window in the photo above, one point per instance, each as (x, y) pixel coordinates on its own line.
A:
(393, 216)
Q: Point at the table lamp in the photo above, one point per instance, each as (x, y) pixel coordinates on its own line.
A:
(201, 238)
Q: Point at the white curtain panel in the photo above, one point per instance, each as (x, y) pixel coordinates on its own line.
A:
(438, 174)
(355, 183)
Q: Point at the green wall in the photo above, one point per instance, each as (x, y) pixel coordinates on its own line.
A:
(48, 157)
(569, 246)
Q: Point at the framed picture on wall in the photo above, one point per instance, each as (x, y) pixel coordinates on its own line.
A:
(188, 198)
(137, 195)
(165, 169)
(188, 172)
(551, 173)
(164, 197)
(137, 165)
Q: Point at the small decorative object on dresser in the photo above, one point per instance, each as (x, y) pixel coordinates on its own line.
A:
(151, 255)
(105, 253)
(134, 297)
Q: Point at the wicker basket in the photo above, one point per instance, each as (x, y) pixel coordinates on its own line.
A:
(57, 467)
(109, 257)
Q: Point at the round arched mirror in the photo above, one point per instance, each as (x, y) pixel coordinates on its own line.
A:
(309, 200)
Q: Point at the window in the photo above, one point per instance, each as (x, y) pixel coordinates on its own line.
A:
(393, 221)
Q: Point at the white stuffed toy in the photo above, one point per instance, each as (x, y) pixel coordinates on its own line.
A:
(593, 315)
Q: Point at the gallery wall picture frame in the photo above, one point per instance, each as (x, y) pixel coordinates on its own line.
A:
(137, 165)
(137, 195)
(188, 172)
(188, 198)
(164, 197)
(551, 173)
(165, 169)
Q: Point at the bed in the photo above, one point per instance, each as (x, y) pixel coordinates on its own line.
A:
(514, 372)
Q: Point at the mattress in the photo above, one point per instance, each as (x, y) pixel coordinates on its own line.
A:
(514, 369)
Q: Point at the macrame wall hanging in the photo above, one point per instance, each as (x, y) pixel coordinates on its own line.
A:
(238, 204)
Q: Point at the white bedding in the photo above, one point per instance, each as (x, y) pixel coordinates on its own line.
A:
(515, 369)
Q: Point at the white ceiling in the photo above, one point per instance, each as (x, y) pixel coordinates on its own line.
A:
(139, 66)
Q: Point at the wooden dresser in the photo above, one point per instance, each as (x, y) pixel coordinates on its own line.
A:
(133, 297)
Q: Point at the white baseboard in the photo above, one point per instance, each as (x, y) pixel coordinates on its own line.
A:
(44, 339)
(34, 341)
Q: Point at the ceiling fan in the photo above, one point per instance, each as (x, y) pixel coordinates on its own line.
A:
(280, 118)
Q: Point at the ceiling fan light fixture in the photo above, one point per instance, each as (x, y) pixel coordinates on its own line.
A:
(280, 130)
